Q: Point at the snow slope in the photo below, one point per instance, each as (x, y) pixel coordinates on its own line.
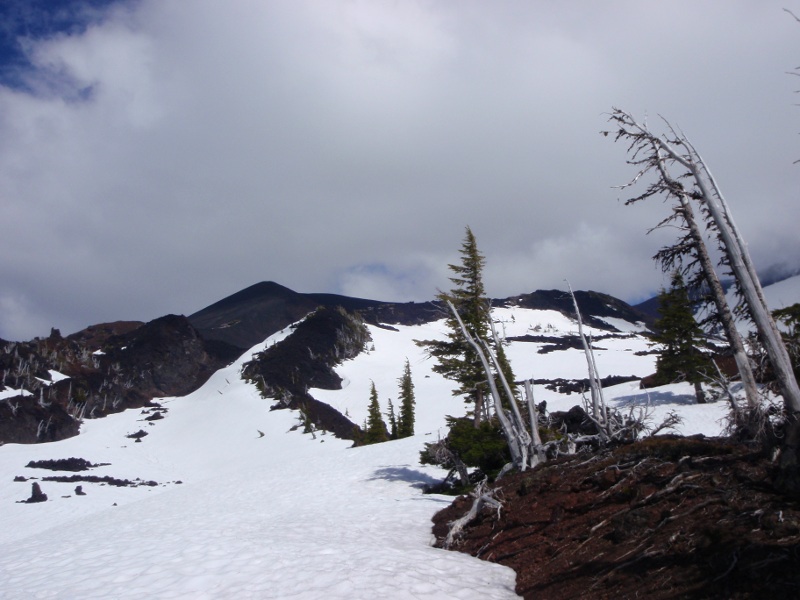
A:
(784, 293)
(246, 507)
(285, 515)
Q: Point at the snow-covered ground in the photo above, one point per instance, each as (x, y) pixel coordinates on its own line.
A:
(247, 507)
(784, 293)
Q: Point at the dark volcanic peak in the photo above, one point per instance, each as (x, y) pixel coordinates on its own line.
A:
(255, 293)
(248, 317)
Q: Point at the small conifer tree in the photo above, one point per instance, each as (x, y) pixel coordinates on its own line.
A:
(456, 358)
(375, 430)
(789, 317)
(681, 338)
(393, 425)
(405, 426)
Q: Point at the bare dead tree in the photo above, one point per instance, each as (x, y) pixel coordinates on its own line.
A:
(598, 402)
(523, 439)
(660, 153)
(519, 451)
(483, 496)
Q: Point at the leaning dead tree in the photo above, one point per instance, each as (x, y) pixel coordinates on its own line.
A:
(612, 425)
(599, 412)
(689, 255)
(523, 439)
(658, 154)
(517, 436)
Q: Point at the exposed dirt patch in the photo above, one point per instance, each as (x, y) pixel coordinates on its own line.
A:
(665, 518)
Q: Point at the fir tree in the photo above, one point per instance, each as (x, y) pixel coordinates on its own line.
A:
(789, 317)
(457, 360)
(375, 430)
(679, 334)
(405, 425)
(392, 421)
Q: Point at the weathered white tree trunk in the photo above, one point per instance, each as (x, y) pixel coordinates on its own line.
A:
(538, 454)
(532, 413)
(598, 403)
(731, 242)
(745, 273)
(718, 293)
(514, 443)
(518, 421)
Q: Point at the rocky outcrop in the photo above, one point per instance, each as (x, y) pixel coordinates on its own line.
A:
(593, 306)
(306, 359)
(103, 369)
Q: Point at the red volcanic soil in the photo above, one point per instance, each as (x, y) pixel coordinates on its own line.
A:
(668, 517)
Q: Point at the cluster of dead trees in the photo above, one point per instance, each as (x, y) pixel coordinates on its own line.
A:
(674, 171)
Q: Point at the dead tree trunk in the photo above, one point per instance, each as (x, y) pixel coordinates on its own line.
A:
(514, 443)
(746, 275)
(724, 312)
(598, 402)
(678, 150)
(657, 152)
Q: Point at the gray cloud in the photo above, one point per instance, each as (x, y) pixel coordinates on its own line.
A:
(175, 153)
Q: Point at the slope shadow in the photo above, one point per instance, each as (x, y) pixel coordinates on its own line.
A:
(416, 478)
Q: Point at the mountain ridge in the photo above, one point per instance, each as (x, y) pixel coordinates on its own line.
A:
(51, 384)
(248, 316)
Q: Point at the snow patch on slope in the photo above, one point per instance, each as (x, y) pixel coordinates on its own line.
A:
(264, 511)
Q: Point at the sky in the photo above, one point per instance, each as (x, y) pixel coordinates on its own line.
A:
(159, 155)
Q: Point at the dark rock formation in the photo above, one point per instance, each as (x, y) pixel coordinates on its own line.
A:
(37, 495)
(64, 464)
(108, 368)
(306, 359)
(592, 305)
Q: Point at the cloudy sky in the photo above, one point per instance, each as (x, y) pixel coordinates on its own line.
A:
(159, 155)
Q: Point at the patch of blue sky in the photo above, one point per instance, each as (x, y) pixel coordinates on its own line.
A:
(23, 23)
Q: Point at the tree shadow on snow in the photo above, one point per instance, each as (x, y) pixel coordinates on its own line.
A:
(416, 478)
(655, 399)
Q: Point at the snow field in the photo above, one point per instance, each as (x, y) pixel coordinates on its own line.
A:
(285, 515)
(264, 511)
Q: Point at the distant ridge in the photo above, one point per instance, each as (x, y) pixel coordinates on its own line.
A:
(769, 277)
(249, 316)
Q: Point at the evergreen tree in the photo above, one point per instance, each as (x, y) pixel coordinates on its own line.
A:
(505, 367)
(392, 421)
(457, 360)
(405, 425)
(789, 317)
(375, 430)
(681, 337)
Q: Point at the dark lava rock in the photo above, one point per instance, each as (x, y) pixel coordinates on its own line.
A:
(37, 495)
(64, 464)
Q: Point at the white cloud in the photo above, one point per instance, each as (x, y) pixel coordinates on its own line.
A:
(226, 143)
